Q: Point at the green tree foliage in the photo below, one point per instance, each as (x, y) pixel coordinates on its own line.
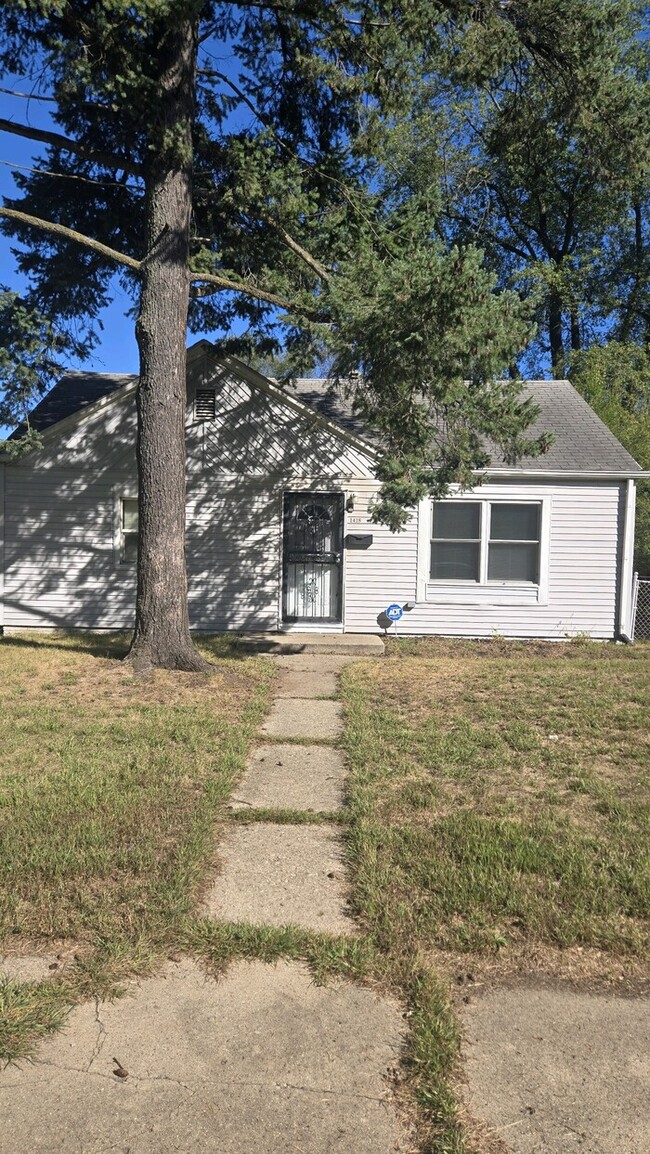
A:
(289, 202)
(31, 352)
(615, 380)
(547, 166)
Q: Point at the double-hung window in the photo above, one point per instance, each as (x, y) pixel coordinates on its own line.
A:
(513, 551)
(486, 542)
(128, 529)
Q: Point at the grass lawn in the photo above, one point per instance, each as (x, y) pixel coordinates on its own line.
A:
(501, 797)
(499, 808)
(110, 786)
(497, 821)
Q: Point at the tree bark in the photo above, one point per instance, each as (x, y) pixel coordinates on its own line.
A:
(555, 334)
(162, 635)
(630, 307)
(576, 336)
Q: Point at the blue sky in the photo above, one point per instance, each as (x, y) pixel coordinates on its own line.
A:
(117, 351)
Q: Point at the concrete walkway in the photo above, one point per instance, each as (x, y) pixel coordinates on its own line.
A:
(262, 1060)
(279, 873)
(551, 1069)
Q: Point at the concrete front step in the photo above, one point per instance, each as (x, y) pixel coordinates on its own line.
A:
(281, 874)
(354, 644)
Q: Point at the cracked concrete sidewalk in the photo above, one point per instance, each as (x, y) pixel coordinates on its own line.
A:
(262, 1060)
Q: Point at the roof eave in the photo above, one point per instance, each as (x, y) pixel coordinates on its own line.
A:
(568, 474)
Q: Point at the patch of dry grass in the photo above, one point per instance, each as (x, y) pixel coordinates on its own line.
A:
(502, 795)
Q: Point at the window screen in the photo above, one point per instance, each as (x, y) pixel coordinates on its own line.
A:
(513, 548)
(456, 541)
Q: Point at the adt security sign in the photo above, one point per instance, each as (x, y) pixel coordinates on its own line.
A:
(394, 612)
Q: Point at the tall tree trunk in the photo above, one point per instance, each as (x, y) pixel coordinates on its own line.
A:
(629, 309)
(162, 635)
(555, 333)
(576, 336)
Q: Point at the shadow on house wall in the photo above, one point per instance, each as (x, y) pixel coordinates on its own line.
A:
(63, 565)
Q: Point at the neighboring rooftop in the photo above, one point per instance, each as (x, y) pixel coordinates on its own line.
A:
(582, 442)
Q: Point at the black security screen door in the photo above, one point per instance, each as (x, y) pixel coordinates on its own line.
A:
(313, 531)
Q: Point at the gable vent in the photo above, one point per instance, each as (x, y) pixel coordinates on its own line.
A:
(205, 405)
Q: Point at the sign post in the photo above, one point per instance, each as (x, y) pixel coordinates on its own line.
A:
(393, 613)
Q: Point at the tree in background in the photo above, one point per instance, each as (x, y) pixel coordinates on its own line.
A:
(615, 380)
(547, 157)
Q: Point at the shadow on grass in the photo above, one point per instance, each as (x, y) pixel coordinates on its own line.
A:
(116, 645)
(111, 645)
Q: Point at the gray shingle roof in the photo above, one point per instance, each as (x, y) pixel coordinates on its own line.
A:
(582, 442)
(75, 391)
(321, 394)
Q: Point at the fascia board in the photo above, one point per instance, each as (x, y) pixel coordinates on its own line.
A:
(564, 474)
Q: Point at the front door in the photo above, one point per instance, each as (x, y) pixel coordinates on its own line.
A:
(312, 544)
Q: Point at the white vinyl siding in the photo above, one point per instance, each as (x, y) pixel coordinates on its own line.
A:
(60, 552)
(583, 522)
(63, 517)
(60, 566)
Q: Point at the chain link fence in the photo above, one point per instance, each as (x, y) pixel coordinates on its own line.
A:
(641, 609)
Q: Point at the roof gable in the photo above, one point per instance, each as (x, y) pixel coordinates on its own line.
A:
(72, 394)
(259, 429)
(582, 443)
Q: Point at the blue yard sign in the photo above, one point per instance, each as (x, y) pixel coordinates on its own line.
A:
(394, 612)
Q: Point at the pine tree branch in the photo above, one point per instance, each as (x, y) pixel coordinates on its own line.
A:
(59, 141)
(220, 282)
(302, 160)
(71, 234)
(28, 95)
(225, 284)
(69, 176)
(304, 255)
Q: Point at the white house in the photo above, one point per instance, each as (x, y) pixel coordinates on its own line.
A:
(280, 487)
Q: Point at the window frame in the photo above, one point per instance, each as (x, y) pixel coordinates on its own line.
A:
(483, 592)
(119, 536)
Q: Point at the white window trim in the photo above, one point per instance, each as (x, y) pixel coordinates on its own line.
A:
(120, 494)
(483, 592)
